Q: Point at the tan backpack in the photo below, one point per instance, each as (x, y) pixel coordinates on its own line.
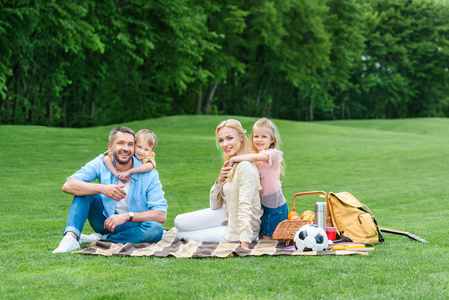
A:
(354, 220)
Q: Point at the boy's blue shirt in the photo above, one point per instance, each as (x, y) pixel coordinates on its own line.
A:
(145, 192)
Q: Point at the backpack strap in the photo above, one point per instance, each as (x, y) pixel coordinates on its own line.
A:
(367, 210)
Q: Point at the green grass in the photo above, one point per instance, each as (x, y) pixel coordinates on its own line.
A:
(399, 168)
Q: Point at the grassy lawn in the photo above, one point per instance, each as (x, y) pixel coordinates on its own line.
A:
(399, 168)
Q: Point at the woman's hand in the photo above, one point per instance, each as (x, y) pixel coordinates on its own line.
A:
(224, 172)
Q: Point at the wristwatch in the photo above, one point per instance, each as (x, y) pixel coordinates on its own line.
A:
(131, 216)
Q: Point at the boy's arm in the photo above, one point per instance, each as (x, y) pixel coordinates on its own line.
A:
(110, 165)
(261, 156)
(143, 168)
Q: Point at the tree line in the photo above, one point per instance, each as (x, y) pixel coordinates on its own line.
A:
(85, 63)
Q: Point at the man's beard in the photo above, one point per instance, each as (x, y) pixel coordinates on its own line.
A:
(118, 160)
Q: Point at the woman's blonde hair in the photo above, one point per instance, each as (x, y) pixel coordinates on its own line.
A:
(274, 132)
(246, 145)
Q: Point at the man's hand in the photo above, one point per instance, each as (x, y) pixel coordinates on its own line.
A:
(114, 191)
(115, 220)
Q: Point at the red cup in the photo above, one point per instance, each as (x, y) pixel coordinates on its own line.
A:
(331, 233)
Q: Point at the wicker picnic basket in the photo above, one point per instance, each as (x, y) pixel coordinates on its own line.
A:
(287, 229)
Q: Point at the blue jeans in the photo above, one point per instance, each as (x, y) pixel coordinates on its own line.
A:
(91, 208)
(271, 218)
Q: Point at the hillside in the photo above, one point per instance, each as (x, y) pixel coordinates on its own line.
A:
(399, 168)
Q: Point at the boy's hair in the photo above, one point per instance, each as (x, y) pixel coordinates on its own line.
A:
(274, 132)
(114, 131)
(148, 136)
(234, 124)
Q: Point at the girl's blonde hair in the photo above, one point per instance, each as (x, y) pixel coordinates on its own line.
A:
(148, 136)
(274, 132)
(246, 145)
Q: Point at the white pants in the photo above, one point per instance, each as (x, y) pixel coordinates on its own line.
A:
(203, 225)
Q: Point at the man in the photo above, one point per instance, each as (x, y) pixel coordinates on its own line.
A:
(124, 213)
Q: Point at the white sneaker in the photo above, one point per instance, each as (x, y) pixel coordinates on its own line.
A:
(90, 238)
(68, 244)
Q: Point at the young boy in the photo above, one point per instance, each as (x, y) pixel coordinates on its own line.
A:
(146, 141)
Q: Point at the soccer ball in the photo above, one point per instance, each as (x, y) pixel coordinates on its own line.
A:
(310, 237)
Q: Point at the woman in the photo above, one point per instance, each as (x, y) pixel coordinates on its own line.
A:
(238, 187)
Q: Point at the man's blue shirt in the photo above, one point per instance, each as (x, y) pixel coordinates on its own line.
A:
(144, 194)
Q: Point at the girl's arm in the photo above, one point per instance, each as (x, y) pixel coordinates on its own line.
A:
(110, 165)
(261, 156)
(147, 167)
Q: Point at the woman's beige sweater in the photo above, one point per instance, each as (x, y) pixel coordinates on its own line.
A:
(242, 199)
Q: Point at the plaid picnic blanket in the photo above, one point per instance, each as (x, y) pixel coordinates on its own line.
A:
(170, 246)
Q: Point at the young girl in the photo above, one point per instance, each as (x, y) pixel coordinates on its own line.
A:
(266, 141)
(146, 141)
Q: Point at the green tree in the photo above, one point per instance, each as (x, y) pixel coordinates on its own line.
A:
(265, 45)
(36, 57)
(152, 52)
(294, 45)
(87, 63)
(227, 20)
(320, 95)
(405, 64)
